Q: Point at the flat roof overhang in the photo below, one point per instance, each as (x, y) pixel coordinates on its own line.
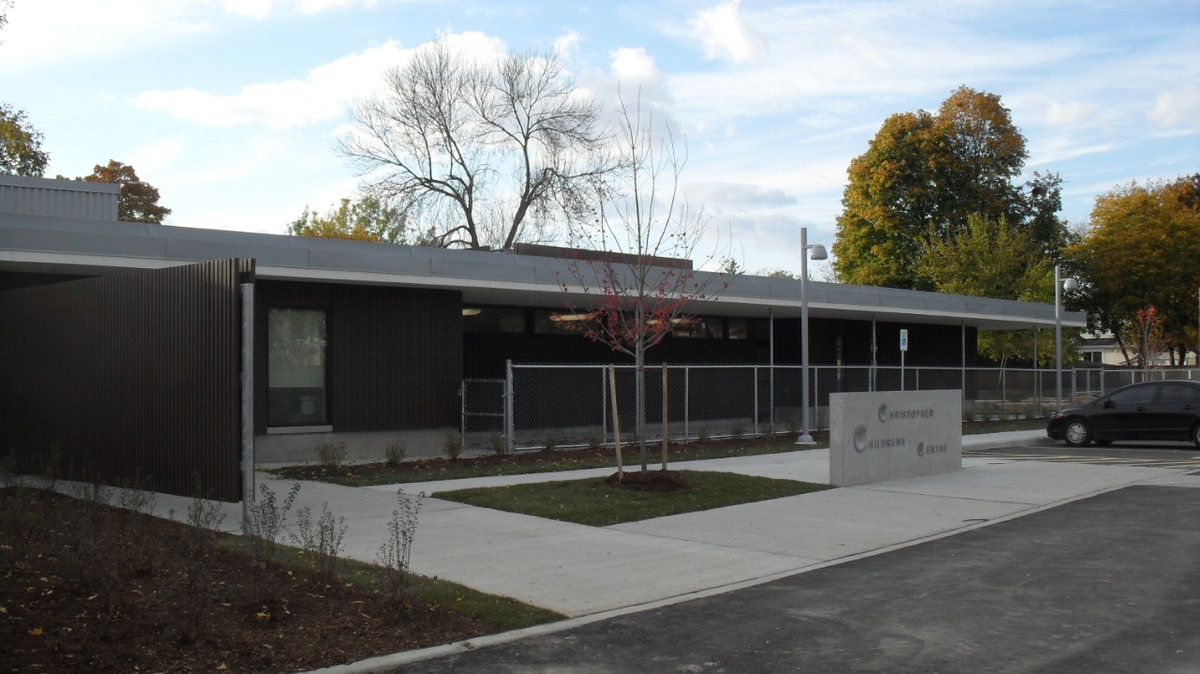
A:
(88, 247)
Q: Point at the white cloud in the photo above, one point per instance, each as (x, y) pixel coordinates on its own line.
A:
(726, 36)
(1074, 112)
(157, 155)
(322, 95)
(633, 65)
(566, 45)
(259, 9)
(865, 53)
(1180, 107)
(255, 9)
(740, 196)
(42, 33)
(1053, 151)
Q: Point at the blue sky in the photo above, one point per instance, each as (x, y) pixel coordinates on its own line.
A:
(230, 107)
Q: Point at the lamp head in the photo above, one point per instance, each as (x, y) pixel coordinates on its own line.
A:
(817, 251)
(1070, 283)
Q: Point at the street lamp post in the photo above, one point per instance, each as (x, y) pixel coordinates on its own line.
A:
(1060, 285)
(818, 253)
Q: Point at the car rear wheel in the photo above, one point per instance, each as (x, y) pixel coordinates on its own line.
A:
(1196, 435)
(1078, 433)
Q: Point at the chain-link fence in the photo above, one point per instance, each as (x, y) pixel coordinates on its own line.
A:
(545, 406)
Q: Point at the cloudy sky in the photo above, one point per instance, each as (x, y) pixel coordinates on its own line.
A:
(230, 107)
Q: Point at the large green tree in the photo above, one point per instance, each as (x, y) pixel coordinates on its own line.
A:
(367, 219)
(1142, 249)
(924, 175)
(20, 144)
(138, 200)
(990, 258)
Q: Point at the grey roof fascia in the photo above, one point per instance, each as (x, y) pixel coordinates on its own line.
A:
(484, 277)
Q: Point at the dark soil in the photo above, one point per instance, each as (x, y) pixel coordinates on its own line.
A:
(659, 481)
(87, 587)
(531, 461)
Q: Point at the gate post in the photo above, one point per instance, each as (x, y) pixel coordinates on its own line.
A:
(687, 401)
(509, 441)
(603, 405)
(754, 383)
(247, 403)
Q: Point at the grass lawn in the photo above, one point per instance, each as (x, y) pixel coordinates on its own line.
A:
(501, 613)
(596, 502)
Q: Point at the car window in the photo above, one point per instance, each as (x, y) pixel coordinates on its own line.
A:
(1179, 393)
(1134, 395)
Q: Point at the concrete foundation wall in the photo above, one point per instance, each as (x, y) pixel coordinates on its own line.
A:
(301, 447)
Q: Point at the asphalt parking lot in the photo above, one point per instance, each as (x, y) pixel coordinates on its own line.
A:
(1108, 583)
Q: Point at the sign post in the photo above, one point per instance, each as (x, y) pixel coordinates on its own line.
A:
(903, 349)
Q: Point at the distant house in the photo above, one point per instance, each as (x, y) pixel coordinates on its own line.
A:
(127, 340)
(1106, 350)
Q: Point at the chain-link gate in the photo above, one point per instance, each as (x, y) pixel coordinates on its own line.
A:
(484, 413)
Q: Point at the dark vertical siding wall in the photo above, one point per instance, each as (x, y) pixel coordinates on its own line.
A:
(128, 376)
(393, 357)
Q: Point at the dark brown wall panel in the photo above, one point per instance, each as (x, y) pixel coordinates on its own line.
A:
(131, 375)
(395, 358)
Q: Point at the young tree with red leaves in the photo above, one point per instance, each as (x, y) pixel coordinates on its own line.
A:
(640, 287)
(1151, 339)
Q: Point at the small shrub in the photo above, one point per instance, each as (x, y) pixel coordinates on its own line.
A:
(205, 517)
(793, 426)
(395, 454)
(136, 494)
(594, 439)
(702, 434)
(92, 492)
(394, 553)
(322, 539)
(51, 467)
(331, 454)
(267, 517)
(738, 429)
(550, 442)
(498, 446)
(8, 469)
(453, 445)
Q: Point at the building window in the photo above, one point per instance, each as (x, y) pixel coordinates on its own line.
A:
(739, 328)
(701, 327)
(296, 367)
(547, 322)
(494, 319)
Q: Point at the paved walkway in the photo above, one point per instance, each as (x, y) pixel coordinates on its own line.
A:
(591, 573)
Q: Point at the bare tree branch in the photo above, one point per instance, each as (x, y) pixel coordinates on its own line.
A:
(480, 151)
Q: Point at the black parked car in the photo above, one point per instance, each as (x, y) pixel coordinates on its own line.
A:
(1156, 410)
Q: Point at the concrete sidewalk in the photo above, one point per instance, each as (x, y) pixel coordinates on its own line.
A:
(580, 570)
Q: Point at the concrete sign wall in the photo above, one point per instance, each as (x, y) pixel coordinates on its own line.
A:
(893, 434)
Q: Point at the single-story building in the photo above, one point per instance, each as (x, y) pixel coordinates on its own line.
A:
(127, 340)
